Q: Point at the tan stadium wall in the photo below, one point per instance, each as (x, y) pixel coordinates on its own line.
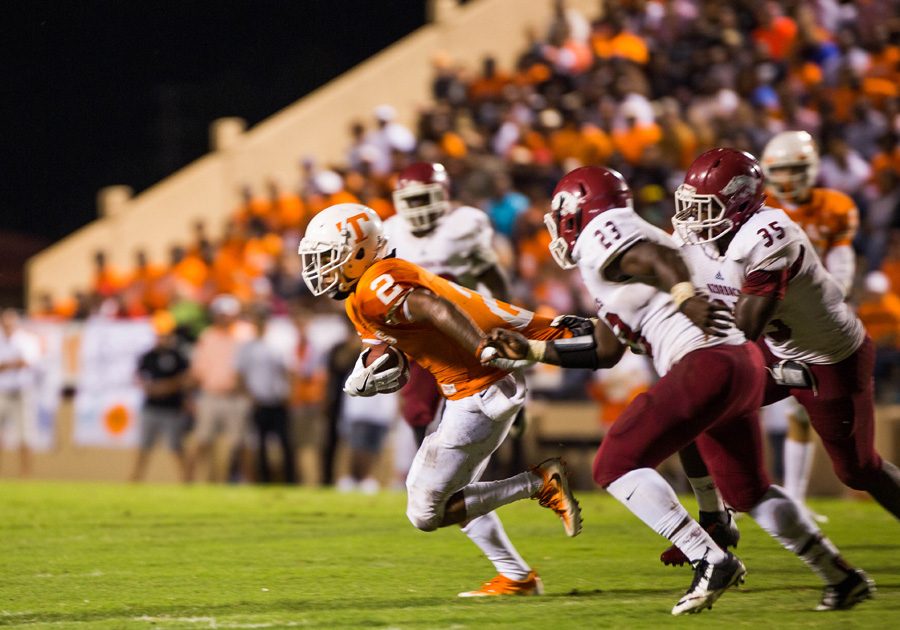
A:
(551, 426)
(316, 125)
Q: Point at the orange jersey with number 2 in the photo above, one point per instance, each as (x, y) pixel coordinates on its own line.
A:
(376, 309)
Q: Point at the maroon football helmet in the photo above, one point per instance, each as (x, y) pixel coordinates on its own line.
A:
(721, 190)
(422, 195)
(580, 196)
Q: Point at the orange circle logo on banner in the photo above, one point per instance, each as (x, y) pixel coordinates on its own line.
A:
(116, 419)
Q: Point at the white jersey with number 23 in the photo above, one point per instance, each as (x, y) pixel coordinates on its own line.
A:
(641, 316)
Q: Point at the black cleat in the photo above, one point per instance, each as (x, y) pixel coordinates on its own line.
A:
(724, 533)
(710, 581)
(856, 587)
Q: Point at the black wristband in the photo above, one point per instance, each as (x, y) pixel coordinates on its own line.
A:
(577, 352)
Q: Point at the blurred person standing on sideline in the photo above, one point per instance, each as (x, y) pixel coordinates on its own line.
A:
(163, 372)
(339, 364)
(365, 423)
(19, 352)
(220, 407)
(263, 374)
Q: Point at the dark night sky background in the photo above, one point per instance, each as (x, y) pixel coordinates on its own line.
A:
(99, 92)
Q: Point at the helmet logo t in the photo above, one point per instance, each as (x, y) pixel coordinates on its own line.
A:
(354, 222)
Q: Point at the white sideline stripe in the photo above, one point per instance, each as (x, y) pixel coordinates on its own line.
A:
(213, 623)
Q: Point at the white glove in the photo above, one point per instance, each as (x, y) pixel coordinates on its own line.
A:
(364, 381)
(489, 357)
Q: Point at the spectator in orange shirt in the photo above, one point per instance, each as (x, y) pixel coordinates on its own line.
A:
(677, 138)
(190, 273)
(147, 281)
(287, 210)
(879, 311)
(489, 85)
(635, 131)
(577, 144)
(611, 40)
(107, 281)
(327, 190)
(776, 31)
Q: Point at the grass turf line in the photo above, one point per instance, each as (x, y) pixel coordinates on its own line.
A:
(116, 556)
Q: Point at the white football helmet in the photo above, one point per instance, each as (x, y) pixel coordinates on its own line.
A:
(341, 242)
(422, 195)
(790, 163)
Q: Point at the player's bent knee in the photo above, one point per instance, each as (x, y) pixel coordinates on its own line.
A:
(424, 521)
(744, 501)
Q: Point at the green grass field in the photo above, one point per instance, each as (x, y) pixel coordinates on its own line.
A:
(113, 556)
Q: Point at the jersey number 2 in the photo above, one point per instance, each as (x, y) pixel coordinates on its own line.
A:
(385, 289)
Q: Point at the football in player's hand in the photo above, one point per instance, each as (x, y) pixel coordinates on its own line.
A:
(395, 358)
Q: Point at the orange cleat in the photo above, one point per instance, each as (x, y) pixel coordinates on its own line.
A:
(502, 585)
(555, 494)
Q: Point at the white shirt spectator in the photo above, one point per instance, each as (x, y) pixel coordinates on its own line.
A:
(264, 372)
(19, 346)
(381, 409)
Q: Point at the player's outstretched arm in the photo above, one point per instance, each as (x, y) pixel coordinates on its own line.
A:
(600, 349)
(424, 306)
(664, 268)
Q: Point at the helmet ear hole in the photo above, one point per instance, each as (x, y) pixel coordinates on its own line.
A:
(360, 253)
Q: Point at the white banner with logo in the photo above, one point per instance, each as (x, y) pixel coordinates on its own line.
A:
(109, 397)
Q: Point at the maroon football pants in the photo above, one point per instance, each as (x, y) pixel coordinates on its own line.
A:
(842, 411)
(419, 400)
(711, 397)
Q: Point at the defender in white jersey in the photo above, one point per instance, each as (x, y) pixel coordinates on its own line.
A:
(756, 259)
(711, 385)
(455, 243)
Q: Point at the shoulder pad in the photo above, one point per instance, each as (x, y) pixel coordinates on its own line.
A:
(768, 236)
(464, 222)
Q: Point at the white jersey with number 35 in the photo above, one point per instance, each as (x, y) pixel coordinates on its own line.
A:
(459, 247)
(772, 256)
(641, 316)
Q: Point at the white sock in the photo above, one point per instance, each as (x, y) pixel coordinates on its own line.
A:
(798, 458)
(488, 534)
(708, 497)
(482, 497)
(785, 520)
(651, 499)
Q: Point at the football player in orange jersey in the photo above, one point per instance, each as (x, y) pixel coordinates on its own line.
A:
(442, 326)
(790, 163)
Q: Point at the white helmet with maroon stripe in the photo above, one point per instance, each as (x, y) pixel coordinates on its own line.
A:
(340, 243)
(422, 195)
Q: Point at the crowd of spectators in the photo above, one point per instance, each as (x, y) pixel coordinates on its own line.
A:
(644, 89)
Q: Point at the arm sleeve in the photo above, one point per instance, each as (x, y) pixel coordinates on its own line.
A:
(845, 222)
(769, 272)
(840, 261)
